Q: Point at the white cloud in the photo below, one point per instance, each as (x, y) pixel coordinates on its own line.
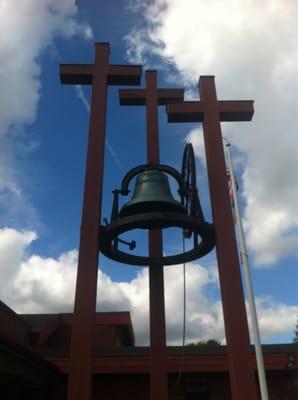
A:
(30, 283)
(275, 318)
(13, 245)
(27, 28)
(46, 283)
(251, 47)
(195, 137)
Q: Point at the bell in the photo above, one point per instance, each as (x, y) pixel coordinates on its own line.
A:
(153, 207)
(152, 194)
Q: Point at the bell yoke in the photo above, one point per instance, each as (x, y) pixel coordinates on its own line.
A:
(153, 207)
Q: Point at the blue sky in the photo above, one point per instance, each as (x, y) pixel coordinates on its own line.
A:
(43, 133)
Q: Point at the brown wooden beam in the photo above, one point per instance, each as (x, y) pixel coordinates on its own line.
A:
(210, 111)
(200, 363)
(100, 74)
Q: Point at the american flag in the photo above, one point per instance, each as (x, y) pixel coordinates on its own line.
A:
(230, 185)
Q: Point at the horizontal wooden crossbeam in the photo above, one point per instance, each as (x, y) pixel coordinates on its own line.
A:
(82, 74)
(193, 111)
(137, 97)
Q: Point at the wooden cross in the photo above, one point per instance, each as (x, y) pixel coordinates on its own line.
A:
(151, 97)
(211, 112)
(99, 75)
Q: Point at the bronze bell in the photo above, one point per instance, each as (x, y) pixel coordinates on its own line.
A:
(151, 194)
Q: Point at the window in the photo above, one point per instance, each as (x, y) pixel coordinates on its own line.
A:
(197, 390)
(197, 395)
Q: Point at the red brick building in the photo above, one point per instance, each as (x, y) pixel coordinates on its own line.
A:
(34, 362)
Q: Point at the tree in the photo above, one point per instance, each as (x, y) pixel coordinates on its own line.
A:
(209, 342)
(295, 338)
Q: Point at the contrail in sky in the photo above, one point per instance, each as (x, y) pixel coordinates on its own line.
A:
(80, 95)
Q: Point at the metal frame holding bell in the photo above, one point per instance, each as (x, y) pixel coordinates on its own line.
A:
(153, 206)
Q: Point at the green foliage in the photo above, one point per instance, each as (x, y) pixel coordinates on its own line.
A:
(295, 338)
(209, 342)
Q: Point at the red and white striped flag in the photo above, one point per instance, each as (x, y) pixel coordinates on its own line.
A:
(232, 194)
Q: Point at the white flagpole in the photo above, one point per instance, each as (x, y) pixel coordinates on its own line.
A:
(249, 288)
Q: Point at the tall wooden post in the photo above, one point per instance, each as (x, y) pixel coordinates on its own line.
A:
(100, 75)
(210, 111)
(152, 97)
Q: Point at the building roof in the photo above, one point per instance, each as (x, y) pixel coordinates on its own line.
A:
(24, 339)
(44, 325)
(20, 360)
(129, 360)
(12, 325)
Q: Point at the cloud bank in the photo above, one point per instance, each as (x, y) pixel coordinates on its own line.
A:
(251, 48)
(30, 283)
(27, 28)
